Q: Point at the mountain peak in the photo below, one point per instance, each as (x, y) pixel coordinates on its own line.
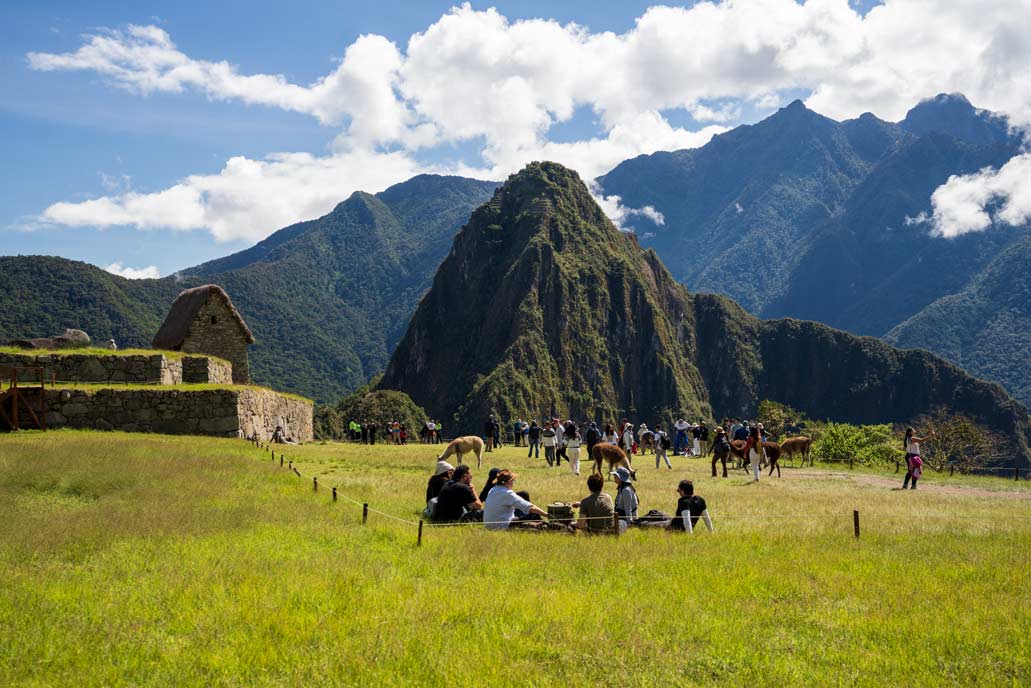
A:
(953, 114)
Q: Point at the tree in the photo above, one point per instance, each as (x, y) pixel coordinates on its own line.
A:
(959, 442)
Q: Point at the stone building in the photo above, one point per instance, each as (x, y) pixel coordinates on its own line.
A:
(203, 320)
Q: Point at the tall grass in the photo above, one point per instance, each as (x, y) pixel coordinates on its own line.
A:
(145, 560)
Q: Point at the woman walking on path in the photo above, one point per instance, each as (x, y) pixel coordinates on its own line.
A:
(912, 447)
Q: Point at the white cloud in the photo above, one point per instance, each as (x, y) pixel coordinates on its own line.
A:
(477, 76)
(619, 213)
(248, 199)
(973, 202)
(149, 272)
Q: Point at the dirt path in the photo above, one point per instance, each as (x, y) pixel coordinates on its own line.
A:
(881, 481)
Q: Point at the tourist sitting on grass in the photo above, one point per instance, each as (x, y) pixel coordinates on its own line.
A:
(502, 502)
(442, 473)
(626, 497)
(690, 507)
(596, 509)
(522, 515)
(489, 484)
(457, 497)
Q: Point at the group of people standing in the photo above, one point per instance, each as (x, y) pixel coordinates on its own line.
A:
(450, 498)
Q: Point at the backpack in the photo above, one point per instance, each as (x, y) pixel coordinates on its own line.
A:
(430, 512)
(666, 444)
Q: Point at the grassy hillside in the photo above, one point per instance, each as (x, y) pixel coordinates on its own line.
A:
(145, 560)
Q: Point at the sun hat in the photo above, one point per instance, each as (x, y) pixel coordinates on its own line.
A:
(719, 430)
(443, 467)
(623, 474)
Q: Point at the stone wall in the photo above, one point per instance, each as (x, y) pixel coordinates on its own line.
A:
(262, 410)
(228, 412)
(126, 368)
(135, 368)
(207, 370)
(221, 338)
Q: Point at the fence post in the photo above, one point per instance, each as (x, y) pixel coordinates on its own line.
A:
(280, 460)
(419, 541)
(855, 521)
(297, 473)
(615, 524)
(334, 494)
(1016, 472)
(951, 470)
(850, 460)
(365, 514)
(315, 483)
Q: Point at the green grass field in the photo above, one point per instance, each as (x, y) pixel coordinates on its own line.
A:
(152, 560)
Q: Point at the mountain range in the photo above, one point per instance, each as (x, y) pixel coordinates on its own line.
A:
(803, 216)
(797, 215)
(543, 308)
(326, 299)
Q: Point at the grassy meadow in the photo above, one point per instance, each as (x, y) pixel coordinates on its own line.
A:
(153, 560)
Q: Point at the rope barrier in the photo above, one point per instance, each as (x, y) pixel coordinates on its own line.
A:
(420, 524)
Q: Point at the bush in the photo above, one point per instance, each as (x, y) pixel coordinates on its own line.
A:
(867, 445)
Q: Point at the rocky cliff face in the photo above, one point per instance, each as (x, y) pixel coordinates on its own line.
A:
(543, 308)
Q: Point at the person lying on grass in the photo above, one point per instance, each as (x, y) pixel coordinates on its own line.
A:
(596, 509)
(457, 496)
(502, 502)
(690, 507)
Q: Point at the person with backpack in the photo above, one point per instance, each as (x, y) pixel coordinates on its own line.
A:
(662, 445)
(720, 451)
(592, 437)
(912, 446)
(549, 439)
(534, 437)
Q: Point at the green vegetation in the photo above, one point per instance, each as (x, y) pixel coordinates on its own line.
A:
(327, 300)
(149, 560)
(92, 351)
(366, 403)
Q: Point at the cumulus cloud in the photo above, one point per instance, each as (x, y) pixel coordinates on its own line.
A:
(149, 272)
(478, 76)
(974, 202)
(247, 199)
(619, 213)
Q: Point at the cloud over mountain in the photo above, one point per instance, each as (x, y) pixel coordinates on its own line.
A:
(476, 76)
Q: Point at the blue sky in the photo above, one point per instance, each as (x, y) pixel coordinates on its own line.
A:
(74, 131)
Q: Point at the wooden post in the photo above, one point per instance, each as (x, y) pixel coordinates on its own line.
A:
(365, 514)
(291, 465)
(615, 524)
(334, 494)
(297, 473)
(850, 460)
(952, 469)
(280, 460)
(419, 541)
(315, 483)
(1016, 472)
(855, 521)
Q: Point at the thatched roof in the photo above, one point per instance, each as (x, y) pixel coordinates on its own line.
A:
(184, 309)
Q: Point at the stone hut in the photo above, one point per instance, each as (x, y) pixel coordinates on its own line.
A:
(203, 320)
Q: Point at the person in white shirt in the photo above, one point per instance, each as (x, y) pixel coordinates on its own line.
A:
(502, 502)
(573, 441)
(628, 438)
(610, 435)
(680, 439)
